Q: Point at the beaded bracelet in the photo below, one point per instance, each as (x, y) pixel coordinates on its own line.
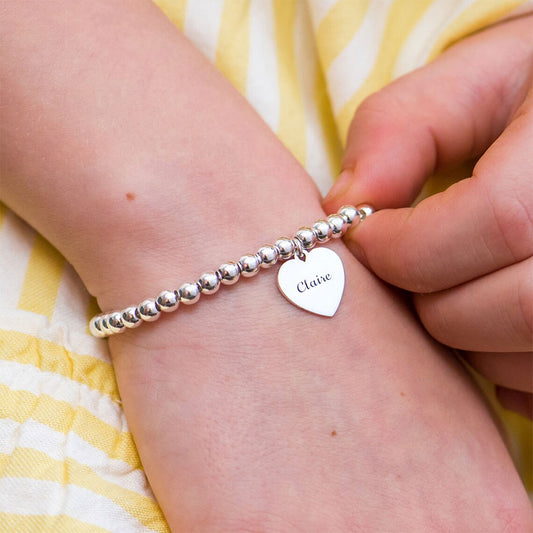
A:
(310, 279)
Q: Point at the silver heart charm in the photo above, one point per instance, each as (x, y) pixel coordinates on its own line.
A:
(315, 284)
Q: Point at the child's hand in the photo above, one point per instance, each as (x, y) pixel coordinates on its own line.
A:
(466, 253)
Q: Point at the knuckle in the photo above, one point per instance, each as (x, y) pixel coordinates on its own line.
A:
(385, 103)
(373, 114)
(513, 215)
(376, 103)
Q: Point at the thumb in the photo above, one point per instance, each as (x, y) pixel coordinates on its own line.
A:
(439, 115)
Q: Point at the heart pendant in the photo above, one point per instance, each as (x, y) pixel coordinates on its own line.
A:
(315, 284)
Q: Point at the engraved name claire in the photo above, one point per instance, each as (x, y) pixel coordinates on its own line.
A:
(318, 280)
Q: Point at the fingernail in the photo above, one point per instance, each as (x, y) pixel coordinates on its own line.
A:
(341, 186)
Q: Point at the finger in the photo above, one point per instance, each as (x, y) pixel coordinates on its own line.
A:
(441, 114)
(513, 370)
(493, 313)
(520, 402)
(475, 227)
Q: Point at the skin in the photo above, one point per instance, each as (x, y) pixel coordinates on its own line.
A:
(466, 253)
(248, 414)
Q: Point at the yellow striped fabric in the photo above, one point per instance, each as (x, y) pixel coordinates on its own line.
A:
(67, 459)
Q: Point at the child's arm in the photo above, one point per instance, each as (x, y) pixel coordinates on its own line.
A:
(138, 161)
(466, 253)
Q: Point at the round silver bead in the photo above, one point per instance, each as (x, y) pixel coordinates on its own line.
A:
(269, 255)
(148, 310)
(250, 265)
(131, 318)
(189, 293)
(95, 327)
(167, 301)
(209, 282)
(229, 273)
(307, 237)
(365, 210)
(349, 213)
(322, 230)
(338, 226)
(105, 327)
(114, 322)
(285, 248)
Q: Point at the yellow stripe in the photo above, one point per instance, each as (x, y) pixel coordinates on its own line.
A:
(479, 15)
(327, 122)
(291, 126)
(521, 437)
(10, 522)
(20, 406)
(233, 46)
(400, 22)
(338, 27)
(42, 279)
(3, 213)
(50, 357)
(34, 464)
(174, 10)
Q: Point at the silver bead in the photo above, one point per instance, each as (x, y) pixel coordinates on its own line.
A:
(250, 265)
(322, 230)
(285, 248)
(189, 293)
(95, 327)
(307, 237)
(364, 210)
(338, 226)
(349, 213)
(104, 326)
(269, 255)
(114, 322)
(229, 273)
(148, 310)
(209, 282)
(167, 301)
(131, 318)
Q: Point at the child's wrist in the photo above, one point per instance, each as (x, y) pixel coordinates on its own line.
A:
(181, 238)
